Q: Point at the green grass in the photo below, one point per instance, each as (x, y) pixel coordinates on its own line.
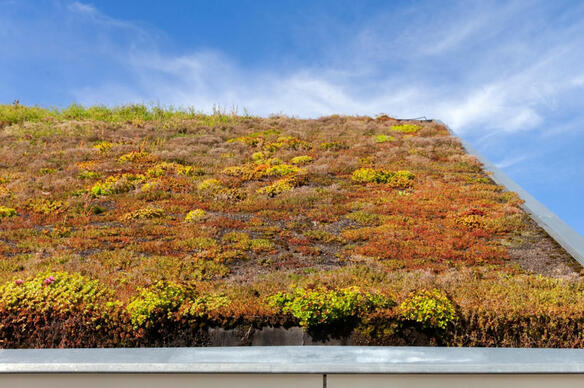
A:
(16, 113)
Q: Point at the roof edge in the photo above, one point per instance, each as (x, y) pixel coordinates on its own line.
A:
(559, 230)
(294, 359)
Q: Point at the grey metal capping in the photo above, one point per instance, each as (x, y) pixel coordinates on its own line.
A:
(564, 235)
(294, 359)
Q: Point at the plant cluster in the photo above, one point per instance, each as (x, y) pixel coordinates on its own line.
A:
(405, 128)
(117, 184)
(383, 138)
(301, 160)
(430, 308)
(144, 214)
(7, 212)
(315, 307)
(397, 179)
(45, 206)
(195, 215)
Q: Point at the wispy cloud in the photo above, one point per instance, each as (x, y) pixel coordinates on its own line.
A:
(83, 8)
(481, 81)
(508, 162)
(485, 78)
(507, 76)
(500, 94)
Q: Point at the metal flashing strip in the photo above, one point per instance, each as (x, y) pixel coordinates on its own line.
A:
(294, 359)
(561, 232)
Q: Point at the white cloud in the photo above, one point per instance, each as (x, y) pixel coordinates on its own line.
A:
(508, 162)
(499, 75)
(514, 98)
(82, 8)
(578, 81)
(473, 68)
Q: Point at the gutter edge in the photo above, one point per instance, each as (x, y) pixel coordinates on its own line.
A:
(560, 231)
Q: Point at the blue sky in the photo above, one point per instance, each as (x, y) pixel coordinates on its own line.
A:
(506, 76)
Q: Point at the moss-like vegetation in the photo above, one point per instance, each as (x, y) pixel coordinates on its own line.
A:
(328, 307)
(383, 138)
(303, 159)
(405, 128)
(144, 214)
(7, 212)
(397, 179)
(196, 215)
(378, 230)
(431, 309)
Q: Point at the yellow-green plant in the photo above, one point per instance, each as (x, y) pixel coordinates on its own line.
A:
(58, 291)
(383, 138)
(47, 171)
(117, 184)
(4, 192)
(282, 170)
(323, 236)
(288, 143)
(471, 221)
(189, 170)
(200, 243)
(431, 309)
(333, 146)
(135, 156)
(366, 175)
(405, 128)
(256, 138)
(85, 174)
(397, 179)
(150, 186)
(320, 306)
(160, 301)
(278, 187)
(364, 218)
(145, 213)
(156, 171)
(261, 245)
(238, 240)
(7, 212)
(103, 146)
(45, 206)
(210, 184)
(259, 156)
(166, 301)
(196, 215)
(301, 160)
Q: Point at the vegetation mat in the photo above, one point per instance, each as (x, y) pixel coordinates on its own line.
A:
(142, 226)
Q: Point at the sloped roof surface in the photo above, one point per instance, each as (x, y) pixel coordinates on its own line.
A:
(254, 215)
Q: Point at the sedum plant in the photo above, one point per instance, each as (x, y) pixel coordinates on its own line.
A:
(195, 215)
(431, 309)
(210, 184)
(405, 128)
(103, 146)
(46, 206)
(397, 179)
(278, 187)
(6, 212)
(60, 292)
(168, 301)
(301, 160)
(144, 214)
(383, 138)
(321, 306)
(117, 184)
